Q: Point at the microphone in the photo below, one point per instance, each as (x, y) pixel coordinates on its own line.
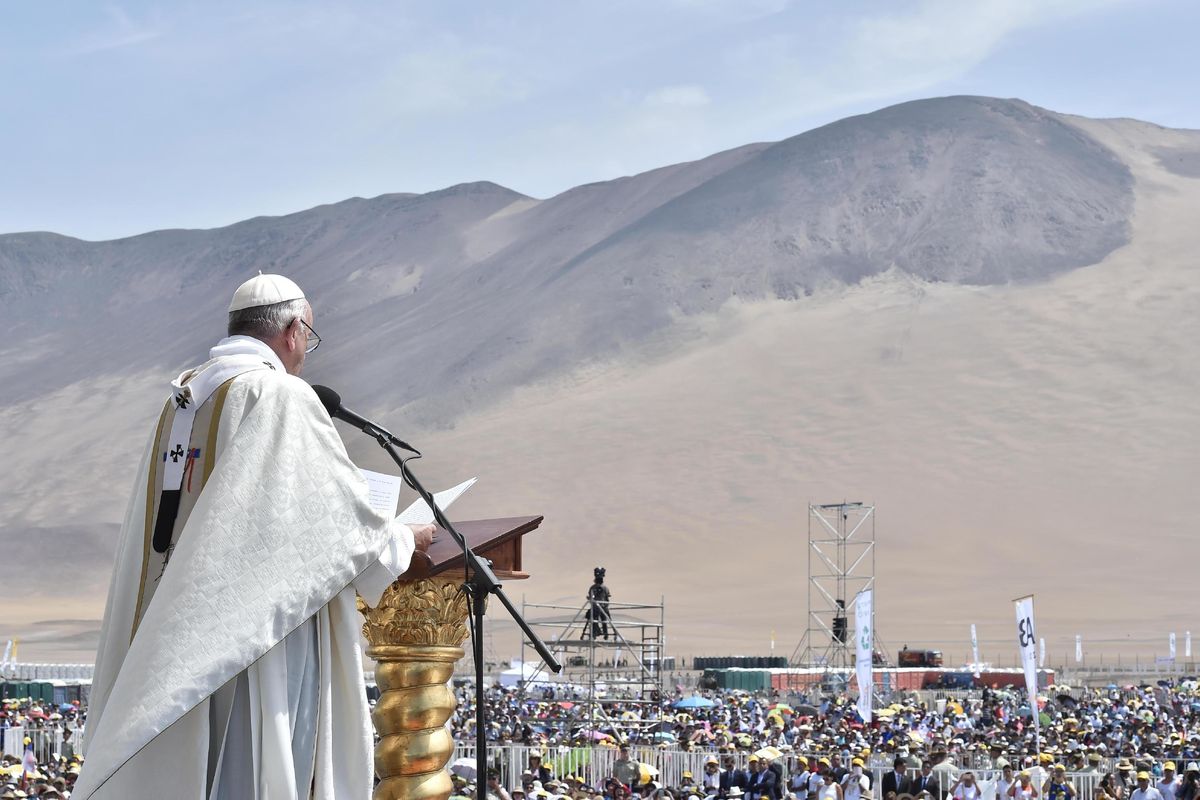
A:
(333, 404)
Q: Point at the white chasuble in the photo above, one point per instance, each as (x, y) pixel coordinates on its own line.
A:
(229, 664)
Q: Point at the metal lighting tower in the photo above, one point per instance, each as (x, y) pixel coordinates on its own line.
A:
(841, 563)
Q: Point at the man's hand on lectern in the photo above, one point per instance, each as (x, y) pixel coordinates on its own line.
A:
(422, 536)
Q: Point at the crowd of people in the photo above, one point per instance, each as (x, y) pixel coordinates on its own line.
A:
(39, 747)
(1115, 743)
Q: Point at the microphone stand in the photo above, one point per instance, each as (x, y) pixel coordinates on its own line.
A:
(480, 582)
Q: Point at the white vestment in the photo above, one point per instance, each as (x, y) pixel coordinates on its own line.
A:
(241, 677)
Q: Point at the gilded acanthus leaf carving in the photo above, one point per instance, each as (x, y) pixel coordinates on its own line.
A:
(432, 611)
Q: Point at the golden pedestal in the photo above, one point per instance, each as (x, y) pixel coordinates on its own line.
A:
(415, 635)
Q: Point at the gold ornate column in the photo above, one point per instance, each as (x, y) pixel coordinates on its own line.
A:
(415, 636)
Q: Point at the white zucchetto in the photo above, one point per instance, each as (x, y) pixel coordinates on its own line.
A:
(265, 290)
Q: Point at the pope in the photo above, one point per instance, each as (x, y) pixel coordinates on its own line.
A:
(229, 662)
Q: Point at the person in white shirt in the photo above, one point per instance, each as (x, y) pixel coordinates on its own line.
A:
(1005, 780)
(1169, 783)
(1144, 790)
(965, 788)
(855, 785)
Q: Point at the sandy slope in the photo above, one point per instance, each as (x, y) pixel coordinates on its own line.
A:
(1026, 438)
(1037, 438)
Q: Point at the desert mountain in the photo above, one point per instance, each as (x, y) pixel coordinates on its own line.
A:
(975, 312)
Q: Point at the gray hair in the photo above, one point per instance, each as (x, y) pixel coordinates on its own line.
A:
(266, 322)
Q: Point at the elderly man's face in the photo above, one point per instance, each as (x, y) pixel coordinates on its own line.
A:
(295, 343)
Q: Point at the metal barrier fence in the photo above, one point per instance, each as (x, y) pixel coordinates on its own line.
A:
(47, 742)
(595, 764)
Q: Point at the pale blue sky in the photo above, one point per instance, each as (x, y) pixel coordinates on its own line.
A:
(125, 117)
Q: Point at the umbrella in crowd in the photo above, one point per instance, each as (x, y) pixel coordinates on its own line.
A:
(695, 701)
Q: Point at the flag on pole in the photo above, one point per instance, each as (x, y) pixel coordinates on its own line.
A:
(1041, 652)
(1187, 644)
(1171, 645)
(974, 650)
(772, 641)
(7, 653)
(864, 639)
(1027, 641)
(1078, 648)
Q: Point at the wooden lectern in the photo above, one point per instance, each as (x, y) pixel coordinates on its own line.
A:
(415, 635)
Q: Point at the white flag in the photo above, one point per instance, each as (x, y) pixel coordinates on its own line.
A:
(1171, 645)
(864, 638)
(1041, 652)
(1078, 648)
(1187, 644)
(1027, 641)
(974, 650)
(7, 653)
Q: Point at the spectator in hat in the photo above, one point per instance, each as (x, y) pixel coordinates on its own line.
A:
(1168, 785)
(711, 780)
(1057, 787)
(856, 785)
(1189, 787)
(816, 779)
(798, 780)
(1144, 790)
(1023, 789)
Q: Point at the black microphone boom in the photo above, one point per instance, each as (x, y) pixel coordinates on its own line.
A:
(480, 580)
(333, 404)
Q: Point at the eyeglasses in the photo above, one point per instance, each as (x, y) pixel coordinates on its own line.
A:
(314, 341)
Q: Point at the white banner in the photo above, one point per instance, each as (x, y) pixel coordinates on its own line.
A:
(1187, 644)
(864, 638)
(7, 653)
(1078, 648)
(974, 650)
(1027, 640)
(1171, 645)
(1041, 652)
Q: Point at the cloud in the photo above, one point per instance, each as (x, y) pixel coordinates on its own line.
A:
(883, 57)
(446, 75)
(686, 96)
(121, 31)
(939, 39)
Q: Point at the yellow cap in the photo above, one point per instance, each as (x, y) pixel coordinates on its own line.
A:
(1143, 776)
(1169, 765)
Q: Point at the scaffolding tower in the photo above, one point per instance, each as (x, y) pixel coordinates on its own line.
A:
(611, 676)
(841, 563)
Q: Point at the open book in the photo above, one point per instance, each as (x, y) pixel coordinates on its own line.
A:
(385, 494)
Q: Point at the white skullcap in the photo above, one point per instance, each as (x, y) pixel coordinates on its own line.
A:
(265, 290)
